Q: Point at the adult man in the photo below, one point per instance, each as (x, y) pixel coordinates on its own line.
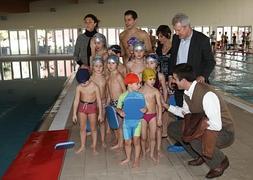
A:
(192, 47)
(200, 98)
(131, 31)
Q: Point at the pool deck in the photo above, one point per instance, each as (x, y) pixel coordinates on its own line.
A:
(172, 166)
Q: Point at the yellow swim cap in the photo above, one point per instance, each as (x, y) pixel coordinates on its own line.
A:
(148, 73)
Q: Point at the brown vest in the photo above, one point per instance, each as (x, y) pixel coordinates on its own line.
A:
(196, 105)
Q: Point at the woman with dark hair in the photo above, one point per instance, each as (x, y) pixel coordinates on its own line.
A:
(163, 49)
(82, 51)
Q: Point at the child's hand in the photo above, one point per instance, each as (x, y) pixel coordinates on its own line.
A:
(121, 113)
(74, 119)
(100, 119)
(143, 110)
(159, 123)
(166, 106)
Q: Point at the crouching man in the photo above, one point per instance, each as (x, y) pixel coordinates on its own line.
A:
(207, 126)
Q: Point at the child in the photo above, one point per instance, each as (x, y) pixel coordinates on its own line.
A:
(87, 98)
(99, 78)
(116, 50)
(131, 128)
(153, 116)
(137, 64)
(160, 84)
(116, 87)
(98, 46)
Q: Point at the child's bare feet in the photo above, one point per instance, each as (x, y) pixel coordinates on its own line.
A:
(160, 154)
(126, 161)
(115, 147)
(95, 151)
(103, 145)
(154, 159)
(136, 164)
(80, 150)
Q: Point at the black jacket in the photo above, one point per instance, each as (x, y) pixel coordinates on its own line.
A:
(200, 55)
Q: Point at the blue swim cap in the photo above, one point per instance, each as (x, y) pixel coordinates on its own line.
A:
(152, 57)
(82, 75)
(132, 41)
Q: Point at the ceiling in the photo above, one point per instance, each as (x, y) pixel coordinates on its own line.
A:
(21, 6)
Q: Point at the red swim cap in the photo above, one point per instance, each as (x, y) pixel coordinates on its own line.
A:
(131, 78)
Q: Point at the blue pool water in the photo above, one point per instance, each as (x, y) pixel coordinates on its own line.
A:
(234, 74)
(22, 113)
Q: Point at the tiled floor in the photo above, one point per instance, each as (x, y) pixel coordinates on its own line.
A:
(173, 166)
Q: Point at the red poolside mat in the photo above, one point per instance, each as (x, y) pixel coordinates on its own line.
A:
(38, 159)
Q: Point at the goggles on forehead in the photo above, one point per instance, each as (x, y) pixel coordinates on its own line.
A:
(97, 59)
(152, 57)
(99, 38)
(113, 58)
(139, 46)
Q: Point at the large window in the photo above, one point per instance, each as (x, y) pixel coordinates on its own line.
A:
(14, 42)
(56, 41)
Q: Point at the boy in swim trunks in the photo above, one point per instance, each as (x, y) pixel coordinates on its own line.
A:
(98, 78)
(153, 117)
(131, 128)
(116, 50)
(87, 98)
(116, 87)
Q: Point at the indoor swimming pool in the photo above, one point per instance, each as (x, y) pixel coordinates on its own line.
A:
(22, 105)
(234, 75)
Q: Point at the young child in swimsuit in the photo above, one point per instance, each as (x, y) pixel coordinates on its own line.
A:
(87, 98)
(98, 46)
(153, 117)
(137, 64)
(160, 84)
(116, 87)
(98, 78)
(116, 50)
(131, 128)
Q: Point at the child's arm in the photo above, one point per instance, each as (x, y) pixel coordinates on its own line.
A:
(99, 102)
(159, 106)
(75, 105)
(121, 82)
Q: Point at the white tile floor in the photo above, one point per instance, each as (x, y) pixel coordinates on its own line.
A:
(172, 167)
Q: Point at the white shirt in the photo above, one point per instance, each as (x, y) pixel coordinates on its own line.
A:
(211, 106)
(182, 54)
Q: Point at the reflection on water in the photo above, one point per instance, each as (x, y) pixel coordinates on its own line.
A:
(22, 105)
(234, 74)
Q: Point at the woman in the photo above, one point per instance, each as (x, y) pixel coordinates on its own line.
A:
(163, 49)
(82, 51)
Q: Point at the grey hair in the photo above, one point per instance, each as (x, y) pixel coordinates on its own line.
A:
(181, 18)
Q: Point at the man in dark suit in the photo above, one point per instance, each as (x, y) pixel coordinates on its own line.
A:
(192, 47)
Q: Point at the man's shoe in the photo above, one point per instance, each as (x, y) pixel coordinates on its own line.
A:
(196, 162)
(218, 171)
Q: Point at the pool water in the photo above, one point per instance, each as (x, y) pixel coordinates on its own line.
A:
(234, 74)
(21, 117)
